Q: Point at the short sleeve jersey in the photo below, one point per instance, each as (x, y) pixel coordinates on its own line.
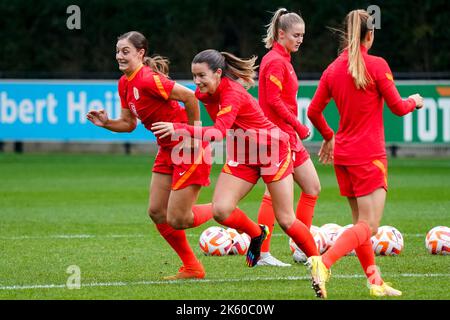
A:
(146, 94)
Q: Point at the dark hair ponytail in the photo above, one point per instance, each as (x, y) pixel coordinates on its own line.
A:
(158, 64)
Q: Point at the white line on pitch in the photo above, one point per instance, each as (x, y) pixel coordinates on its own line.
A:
(90, 236)
(74, 236)
(136, 283)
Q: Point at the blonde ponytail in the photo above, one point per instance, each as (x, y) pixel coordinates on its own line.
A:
(272, 28)
(158, 64)
(281, 19)
(240, 69)
(356, 29)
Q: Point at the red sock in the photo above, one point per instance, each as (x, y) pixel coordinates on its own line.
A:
(202, 213)
(266, 216)
(367, 259)
(178, 241)
(238, 220)
(305, 208)
(349, 240)
(302, 238)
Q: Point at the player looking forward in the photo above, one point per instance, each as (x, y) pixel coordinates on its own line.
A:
(148, 94)
(219, 77)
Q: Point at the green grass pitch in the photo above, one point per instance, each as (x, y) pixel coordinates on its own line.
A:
(89, 211)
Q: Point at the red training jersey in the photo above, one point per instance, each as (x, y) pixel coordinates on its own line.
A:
(232, 107)
(360, 136)
(146, 94)
(277, 93)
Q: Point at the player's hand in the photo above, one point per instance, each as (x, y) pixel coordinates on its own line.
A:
(326, 151)
(99, 118)
(418, 99)
(163, 129)
(304, 132)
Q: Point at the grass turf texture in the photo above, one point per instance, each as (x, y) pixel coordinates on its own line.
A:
(90, 211)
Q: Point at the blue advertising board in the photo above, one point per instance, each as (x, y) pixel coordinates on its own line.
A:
(37, 110)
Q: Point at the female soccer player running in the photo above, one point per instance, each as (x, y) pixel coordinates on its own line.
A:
(148, 94)
(277, 94)
(219, 78)
(359, 83)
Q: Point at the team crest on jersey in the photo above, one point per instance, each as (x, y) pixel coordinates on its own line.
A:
(136, 93)
(133, 109)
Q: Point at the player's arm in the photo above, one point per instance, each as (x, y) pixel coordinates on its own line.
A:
(385, 84)
(224, 120)
(274, 87)
(315, 114)
(316, 107)
(125, 123)
(187, 96)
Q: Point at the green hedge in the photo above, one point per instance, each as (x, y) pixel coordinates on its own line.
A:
(413, 37)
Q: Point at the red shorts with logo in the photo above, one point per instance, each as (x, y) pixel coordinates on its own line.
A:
(361, 180)
(299, 157)
(187, 167)
(270, 171)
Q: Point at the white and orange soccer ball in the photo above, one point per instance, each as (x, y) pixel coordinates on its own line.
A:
(437, 240)
(331, 230)
(321, 243)
(241, 242)
(215, 241)
(387, 242)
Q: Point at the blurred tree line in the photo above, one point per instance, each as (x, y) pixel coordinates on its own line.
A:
(35, 41)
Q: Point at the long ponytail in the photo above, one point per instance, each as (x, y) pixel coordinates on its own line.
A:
(242, 70)
(357, 25)
(281, 19)
(158, 64)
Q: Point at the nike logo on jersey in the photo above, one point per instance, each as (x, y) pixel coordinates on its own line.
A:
(279, 164)
(181, 173)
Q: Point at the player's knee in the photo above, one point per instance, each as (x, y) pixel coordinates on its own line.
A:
(313, 189)
(316, 189)
(177, 222)
(156, 214)
(285, 221)
(373, 228)
(221, 210)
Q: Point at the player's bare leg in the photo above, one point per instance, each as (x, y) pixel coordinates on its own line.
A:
(229, 191)
(160, 190)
